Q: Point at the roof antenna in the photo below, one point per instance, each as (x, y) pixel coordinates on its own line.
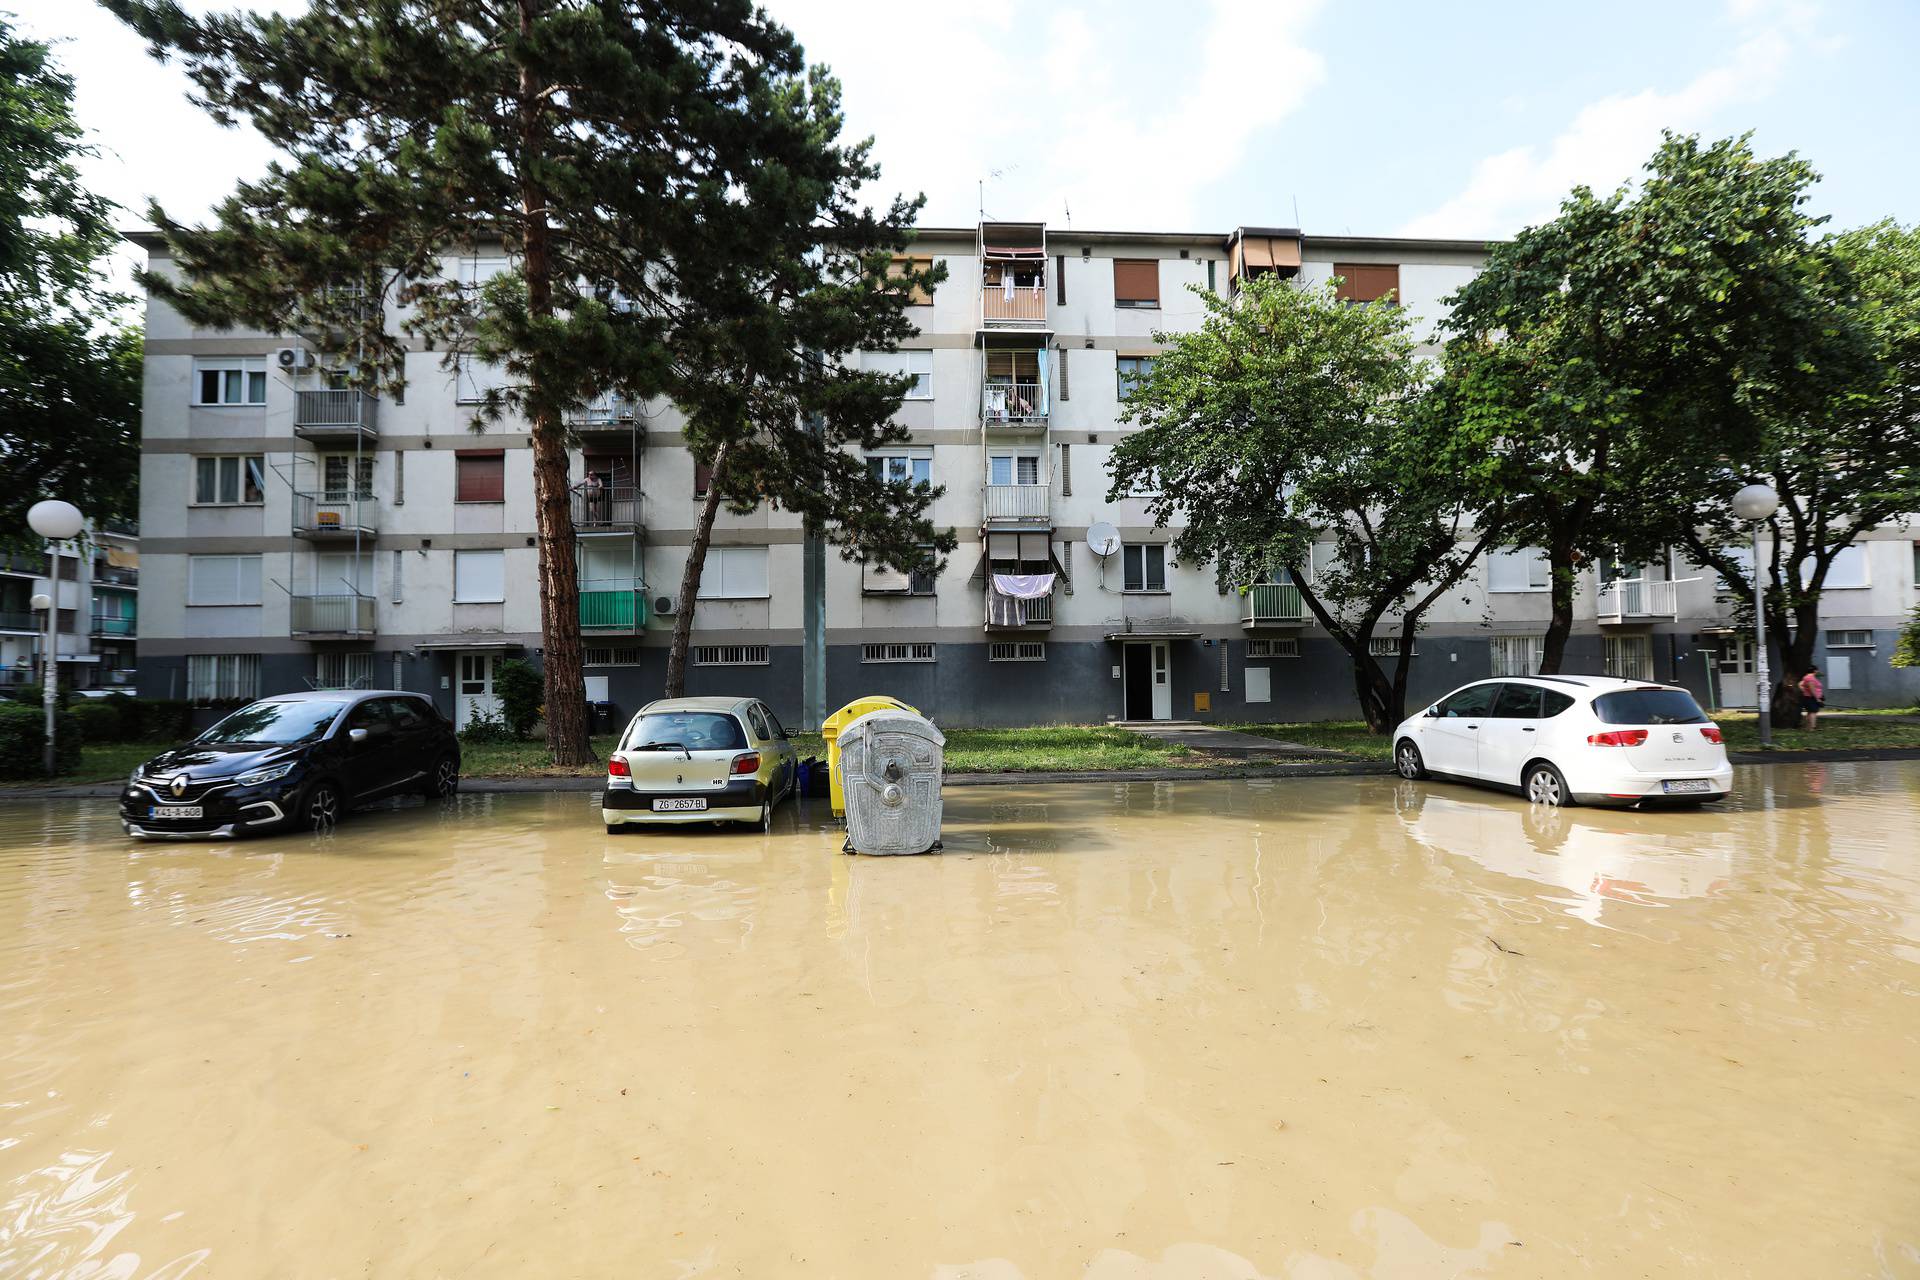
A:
(1296, 212)
(1068, 206)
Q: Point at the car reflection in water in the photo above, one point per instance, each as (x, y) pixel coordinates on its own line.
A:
(1598, 856)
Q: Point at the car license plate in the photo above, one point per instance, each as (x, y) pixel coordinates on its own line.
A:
(174, 811)
(1686, 786)
(693, 805)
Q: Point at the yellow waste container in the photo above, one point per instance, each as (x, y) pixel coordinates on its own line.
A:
(830, 730)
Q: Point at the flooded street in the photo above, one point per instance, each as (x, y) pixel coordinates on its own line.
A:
(1308, 1029)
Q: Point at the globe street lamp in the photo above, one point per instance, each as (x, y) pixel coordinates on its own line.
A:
(1757, 502)
(55, 521)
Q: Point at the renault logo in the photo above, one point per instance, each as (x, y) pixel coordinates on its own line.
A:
(179, 784)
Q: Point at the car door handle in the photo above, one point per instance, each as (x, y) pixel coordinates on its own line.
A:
(1473, 726)
(1526, 728)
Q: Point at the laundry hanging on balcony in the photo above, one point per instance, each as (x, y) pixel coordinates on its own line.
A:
(1007, 599)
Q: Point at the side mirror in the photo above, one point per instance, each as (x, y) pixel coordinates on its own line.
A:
(357, 735)
(1433, 711)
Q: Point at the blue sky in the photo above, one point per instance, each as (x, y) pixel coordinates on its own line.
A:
(1382, 117)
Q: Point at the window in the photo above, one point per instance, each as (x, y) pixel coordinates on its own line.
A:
(1517, 655)
(214, 580)
(1017, 651)
(1136, 282)
(1145, 566)
(473, 378)
(472, 271)
(914, 467)
(1013, 468)
(342, 573)
(1518, 702)
(1849, 639)
(1847, 569)
(1367, 282)
(230, 382)
(229, 480)
(1283, 647)
(1476, 700)
(907, 264)
(479, 577)
(348, 475)
(917, 651)
(1388, 647)
(1522, 570)
(1129, 372)
(734, 573)
(342, 670)
(1916, 564)
(1648, 706)
(624, 656)
(902, 363)
(730, 655)
(1629, 657)
(223, 677)
(479, 476)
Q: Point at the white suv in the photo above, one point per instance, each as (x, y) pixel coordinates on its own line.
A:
(1571, 740)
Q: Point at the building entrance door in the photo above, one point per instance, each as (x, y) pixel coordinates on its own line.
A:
(1736, 671)
(1147, 680)
(473, 688)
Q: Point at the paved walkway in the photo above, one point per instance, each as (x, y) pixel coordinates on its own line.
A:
(1226, 742)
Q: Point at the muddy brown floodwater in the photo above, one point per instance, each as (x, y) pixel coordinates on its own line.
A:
(1346, 1027)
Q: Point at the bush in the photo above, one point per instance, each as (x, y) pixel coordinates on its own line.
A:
(521, 689)
(99, 720)
(23, 738)
(165, 720)
(486, 727)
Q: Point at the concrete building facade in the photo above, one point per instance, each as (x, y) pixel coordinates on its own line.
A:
(299, 535)
(99, 579)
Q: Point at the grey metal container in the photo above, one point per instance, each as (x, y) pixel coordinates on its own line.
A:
(890, 769)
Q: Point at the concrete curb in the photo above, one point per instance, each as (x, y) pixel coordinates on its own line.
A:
(1276, 770)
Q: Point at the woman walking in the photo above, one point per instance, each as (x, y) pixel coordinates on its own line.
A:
(1813, 697)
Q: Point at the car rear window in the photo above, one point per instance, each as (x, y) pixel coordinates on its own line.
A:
(693, 730)
(1648, 706)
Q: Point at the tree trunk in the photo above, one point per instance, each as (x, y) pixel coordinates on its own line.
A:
(1371, 686)
(1560, 574)
(690, 582)
(562, 664)
(1794, 644)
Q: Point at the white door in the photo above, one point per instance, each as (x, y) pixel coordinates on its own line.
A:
(473, 689)
(1839, 672)
(1162, 682)
(1736, 671)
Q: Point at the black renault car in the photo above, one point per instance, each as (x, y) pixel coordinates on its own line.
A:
(297, 761)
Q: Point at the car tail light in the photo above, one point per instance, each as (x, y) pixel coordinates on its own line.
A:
(1712, 733)
(748, 762)
(617, 768)
(1618, 738)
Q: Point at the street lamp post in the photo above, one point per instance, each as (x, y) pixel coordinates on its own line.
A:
(55, 521)
(1756, 502)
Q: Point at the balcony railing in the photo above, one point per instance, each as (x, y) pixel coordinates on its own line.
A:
(1020, 400)
(1272, 604)
(609, 412)
(622, 608)
(1020, 306)
(1638, 600)
(1038, 613)
(1015, 502)
(335, 514)
(332, 615)
(610, 507)
(114, 575)
(109, 625)
(333, 414)
(20, 620)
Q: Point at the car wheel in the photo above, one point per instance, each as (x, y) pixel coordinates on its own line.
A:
(1407, 762)
(766, 814)
(321, 811)
(443, 779)
(1544, 785)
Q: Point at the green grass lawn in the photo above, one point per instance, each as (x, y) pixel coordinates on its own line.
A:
(1350, 736)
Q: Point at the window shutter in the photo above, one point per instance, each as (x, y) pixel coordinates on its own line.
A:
(1136, 281)
(1063, 375)
(1367, 282)
(480, 476)
(702, 478)
(1066, 471)
(1060, 279)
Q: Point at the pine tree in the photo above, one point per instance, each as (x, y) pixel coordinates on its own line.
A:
(626, 153)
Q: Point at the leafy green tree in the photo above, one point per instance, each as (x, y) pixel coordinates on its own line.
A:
(1620, 351)
(521, 691)
(1906, 650)
(69, 374)
(1291, 417)
(1842, 468)
(624, 152)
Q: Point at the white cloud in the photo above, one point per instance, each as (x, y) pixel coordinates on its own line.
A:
(1608, 141)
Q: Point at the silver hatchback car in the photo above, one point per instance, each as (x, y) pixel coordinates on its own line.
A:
(699, 760)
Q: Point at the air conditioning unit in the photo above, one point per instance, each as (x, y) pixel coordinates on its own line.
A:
(293, 358)
(664, 606)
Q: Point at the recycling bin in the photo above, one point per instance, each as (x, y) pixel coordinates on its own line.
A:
(830, 731)
(889, 775)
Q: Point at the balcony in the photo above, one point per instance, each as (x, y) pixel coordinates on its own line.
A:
(1019, 306)
(334, 416)
(609, 414)
(1011, 403)
(1272, 604)
(113, 575)
(21, 620)
(611, 507)
(109, 626)
(1630, 600)
(335, 516)
(605, 609)
(1038, 614)
(1015, 504)
(331, 615)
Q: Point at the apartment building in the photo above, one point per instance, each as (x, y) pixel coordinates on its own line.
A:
(99, 580)
(298, 534)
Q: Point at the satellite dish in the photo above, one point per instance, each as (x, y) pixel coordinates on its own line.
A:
(1102, 539)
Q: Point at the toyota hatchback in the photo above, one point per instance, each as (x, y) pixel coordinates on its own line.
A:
(699, 760)
(1571, 740)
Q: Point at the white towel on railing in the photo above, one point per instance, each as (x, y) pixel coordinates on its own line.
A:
(1024, 586)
